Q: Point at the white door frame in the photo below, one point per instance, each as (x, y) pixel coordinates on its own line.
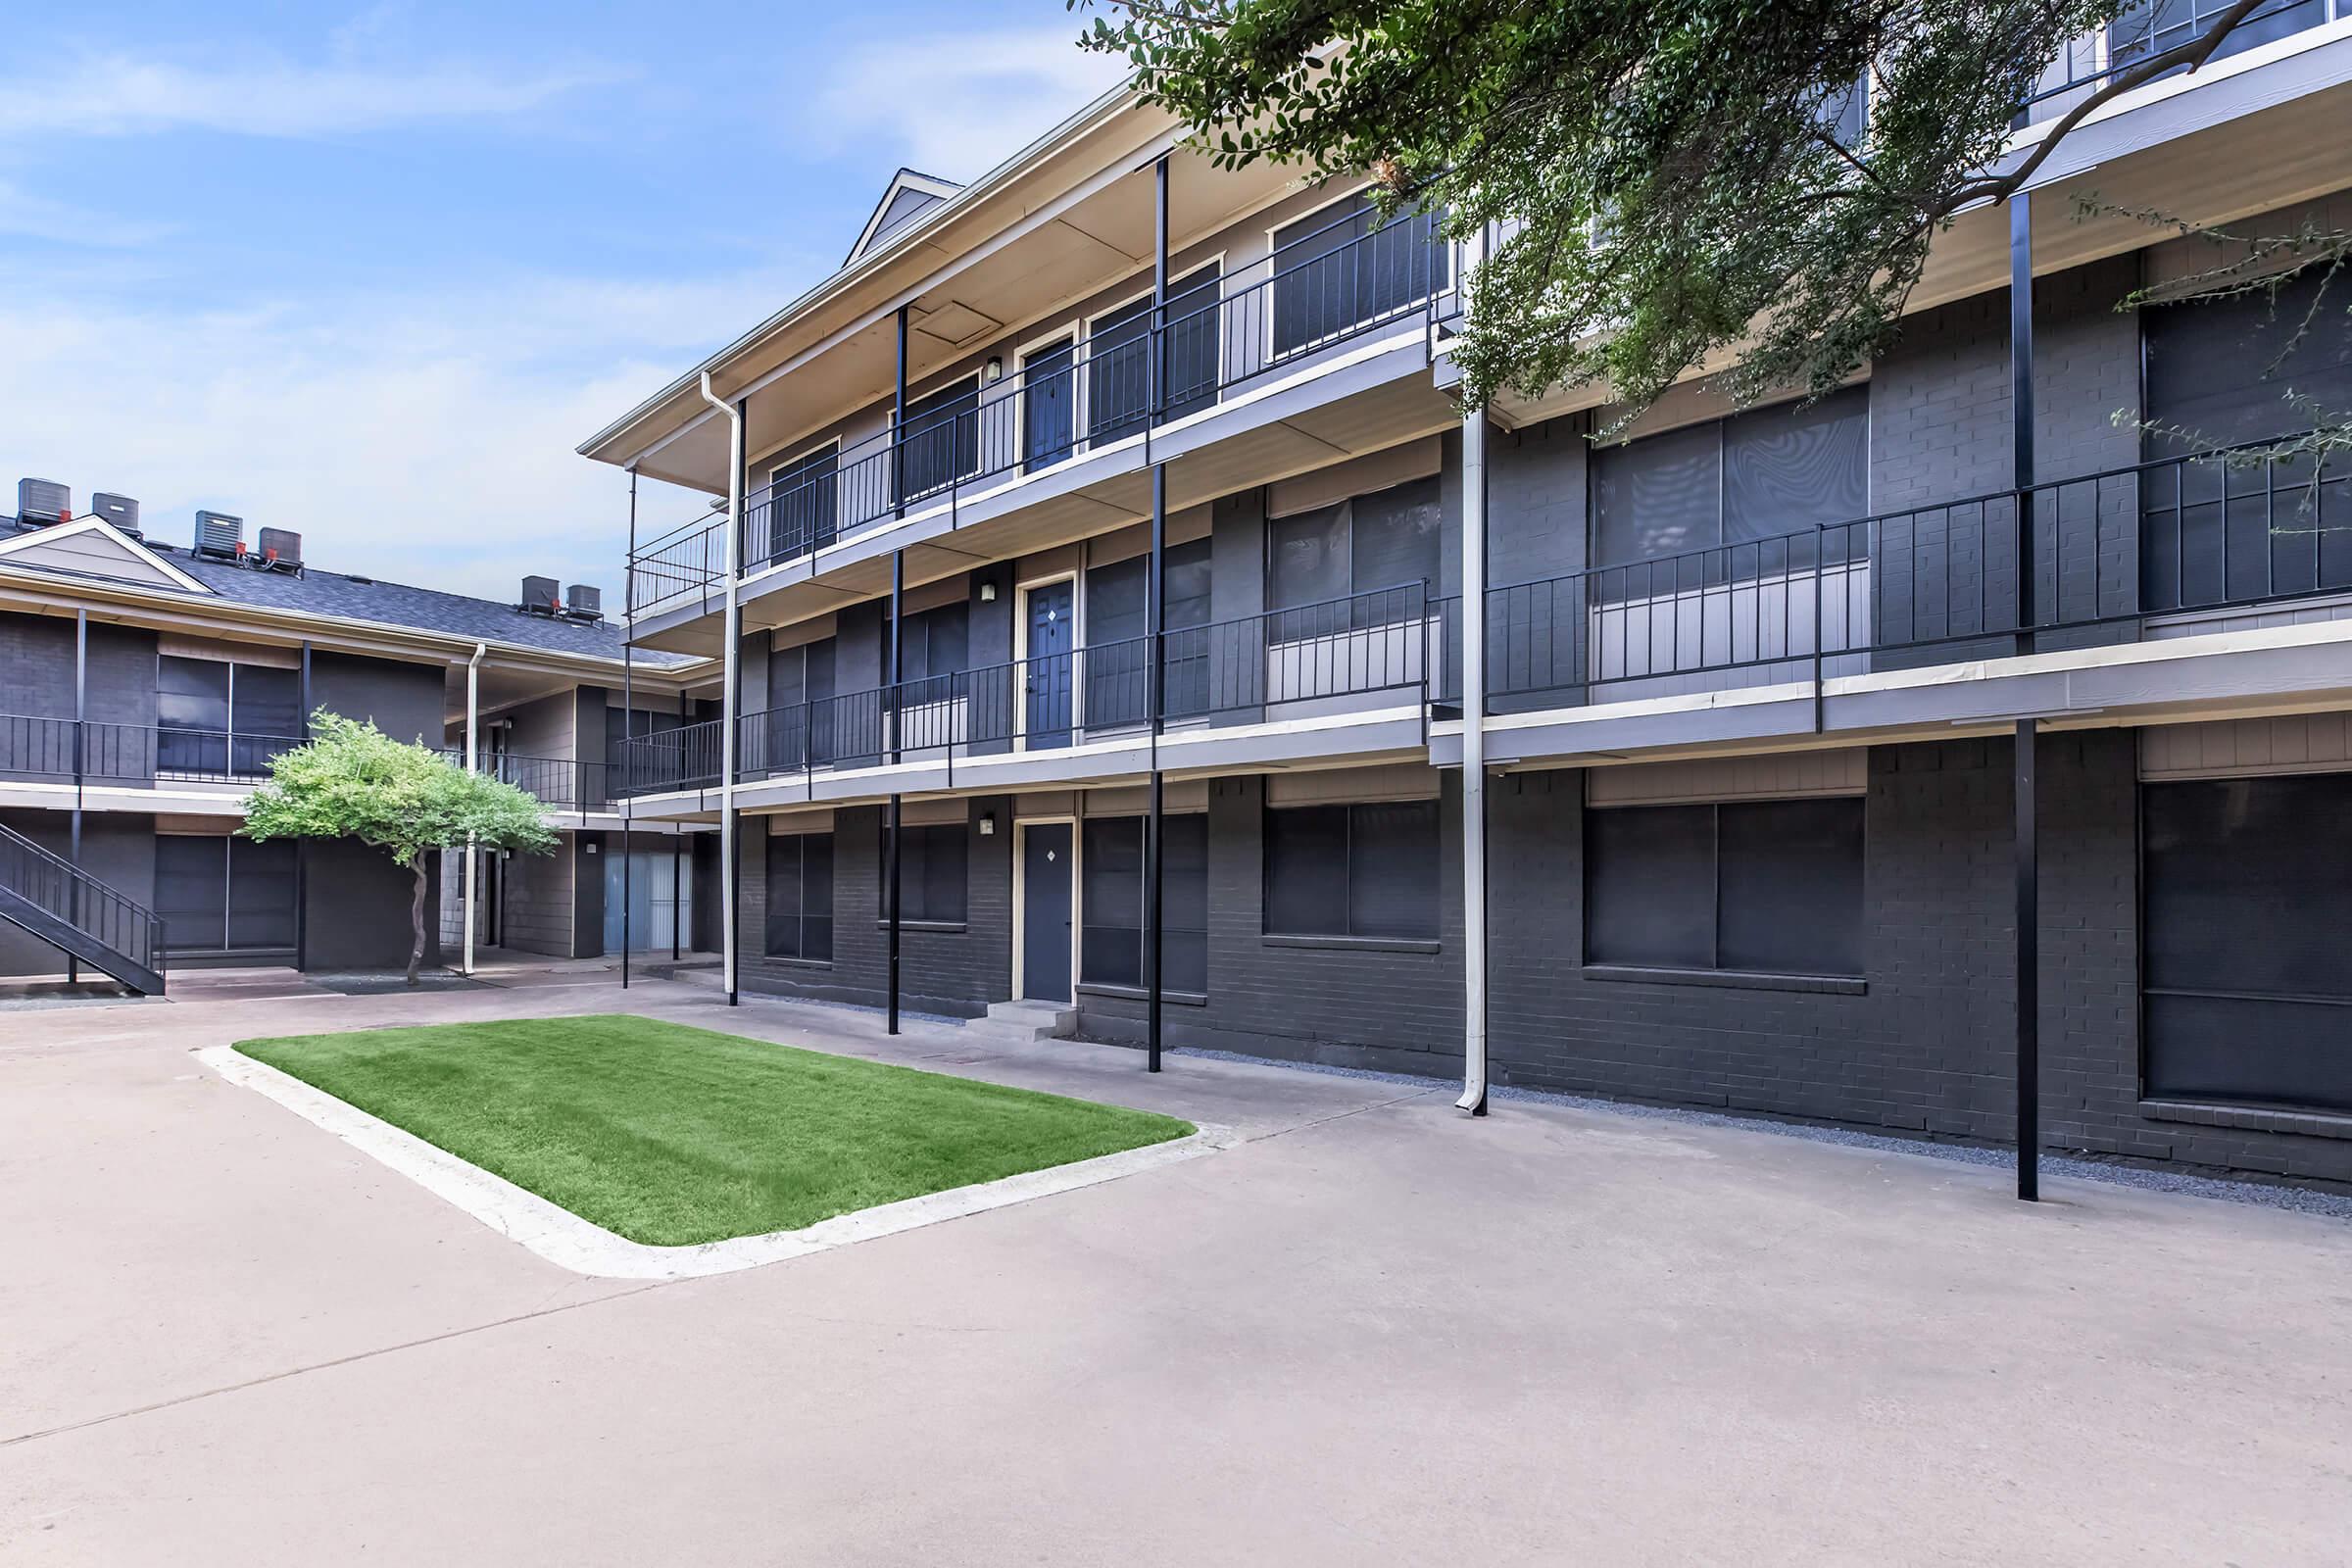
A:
(1021, 904)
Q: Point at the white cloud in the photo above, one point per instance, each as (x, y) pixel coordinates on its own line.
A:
(960, 103)
(426, 440)
(124, 95)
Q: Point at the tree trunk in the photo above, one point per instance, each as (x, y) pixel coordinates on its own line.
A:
(416, 923)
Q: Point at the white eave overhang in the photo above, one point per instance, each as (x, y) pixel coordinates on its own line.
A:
(600, 446)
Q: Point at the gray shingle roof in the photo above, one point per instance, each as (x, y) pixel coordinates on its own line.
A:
(344, 596)
(332, 593)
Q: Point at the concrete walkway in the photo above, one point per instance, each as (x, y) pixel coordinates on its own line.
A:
(1374, 1333)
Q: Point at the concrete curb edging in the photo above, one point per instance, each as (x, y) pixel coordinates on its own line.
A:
(570, 1242)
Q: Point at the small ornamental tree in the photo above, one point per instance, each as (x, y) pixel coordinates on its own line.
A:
(352, 780)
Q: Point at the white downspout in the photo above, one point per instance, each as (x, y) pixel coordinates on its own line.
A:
(473, 725)
(1474, 737)
(728, 717)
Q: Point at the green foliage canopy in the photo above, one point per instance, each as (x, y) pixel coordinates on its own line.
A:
(352, 780)
(1668, 176)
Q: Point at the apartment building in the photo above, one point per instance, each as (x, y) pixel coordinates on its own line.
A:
(1964, 754)
(151, 682)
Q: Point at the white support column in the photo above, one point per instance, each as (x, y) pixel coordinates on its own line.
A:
(1474, 739)
(473, 727)
(727, 698)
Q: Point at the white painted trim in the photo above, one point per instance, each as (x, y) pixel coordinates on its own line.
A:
(1063, 335)
(831, 443)
(2174, 85)
(1020, 907)
(95, 525)
(570, 1242)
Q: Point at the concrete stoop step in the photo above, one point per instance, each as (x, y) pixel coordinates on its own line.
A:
(1025, 1023)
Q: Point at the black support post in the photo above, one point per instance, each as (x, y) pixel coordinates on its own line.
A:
(2028, 969)
(1156, 625)
(2029, 879)
(890, 716)
(2020, 405)
(897, 426)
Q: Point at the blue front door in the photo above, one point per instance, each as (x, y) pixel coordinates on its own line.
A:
(1048, 431)
(1046, 675)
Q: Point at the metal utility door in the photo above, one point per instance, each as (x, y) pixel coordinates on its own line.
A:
(660, 889)
(1046, 899)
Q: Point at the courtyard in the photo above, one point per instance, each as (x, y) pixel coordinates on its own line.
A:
(1368, 1330)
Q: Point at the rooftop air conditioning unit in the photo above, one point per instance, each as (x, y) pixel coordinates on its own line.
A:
(281, 550)
(40, 502)
(583, 603)
(219, 536)
(539, 596)
(121, 510)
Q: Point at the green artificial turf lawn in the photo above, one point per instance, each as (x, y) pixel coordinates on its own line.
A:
(670, 1135)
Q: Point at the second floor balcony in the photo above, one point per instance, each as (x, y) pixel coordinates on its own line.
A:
(1273, 684)
(2169, 549)
(1131, 376)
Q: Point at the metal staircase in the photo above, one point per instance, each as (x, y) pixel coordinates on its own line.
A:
(80, 916)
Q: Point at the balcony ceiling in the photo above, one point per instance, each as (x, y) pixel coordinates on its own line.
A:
(972, 279)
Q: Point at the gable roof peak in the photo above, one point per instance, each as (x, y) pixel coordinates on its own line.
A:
(910, 194)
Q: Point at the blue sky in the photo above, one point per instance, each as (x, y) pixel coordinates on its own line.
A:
(372, 271)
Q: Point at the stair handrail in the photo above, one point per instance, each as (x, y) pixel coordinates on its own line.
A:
(147, 921)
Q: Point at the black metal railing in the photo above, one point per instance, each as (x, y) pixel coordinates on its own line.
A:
(1126, 378)
(2143, 31)
(68, 751)
(682, 758)
(73, 897)
(1291, 662)
(560, 783)
(2211, 531)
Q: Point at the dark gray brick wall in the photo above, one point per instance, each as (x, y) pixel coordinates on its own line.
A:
(37, 650)
(1401, 1010)
(1929, 1048)
(37, 654)
(535, 901)
(403, 700)
(356, 911)
(1941, 433)
(956, 974)
(1536, 501)
(1917, 1053)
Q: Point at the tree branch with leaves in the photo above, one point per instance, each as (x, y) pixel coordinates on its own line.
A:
(1674, 182)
